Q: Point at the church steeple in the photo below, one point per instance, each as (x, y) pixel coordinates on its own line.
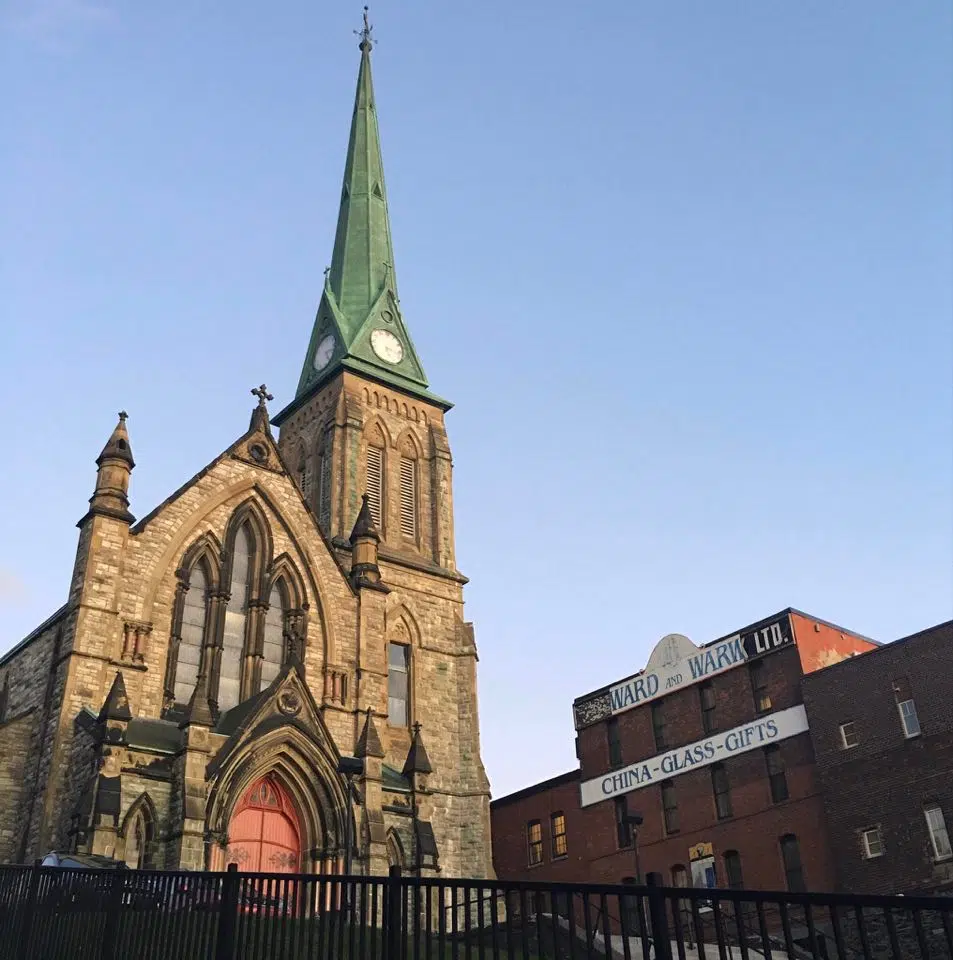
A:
(359, 325)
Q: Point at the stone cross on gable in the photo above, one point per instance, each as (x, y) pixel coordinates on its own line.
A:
(262, 394)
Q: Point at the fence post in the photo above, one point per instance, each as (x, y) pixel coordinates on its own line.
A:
(113, 911)
(227, 915)
(392, 915)
(660, 935)
(29, 909)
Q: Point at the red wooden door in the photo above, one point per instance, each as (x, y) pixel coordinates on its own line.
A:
(263, 835)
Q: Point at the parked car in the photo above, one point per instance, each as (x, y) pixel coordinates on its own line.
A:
(86, 883)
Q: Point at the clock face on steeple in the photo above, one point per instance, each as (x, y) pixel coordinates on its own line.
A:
(322, 356)
(387, 346)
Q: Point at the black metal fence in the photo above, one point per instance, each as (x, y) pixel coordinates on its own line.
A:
(48, 913)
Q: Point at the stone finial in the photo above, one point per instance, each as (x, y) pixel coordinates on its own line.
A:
(369, 743)
(116, 704)
(199, 712)
(115, 463)
(417, 760)
(117, 446)
(364, 528)
(364, 543)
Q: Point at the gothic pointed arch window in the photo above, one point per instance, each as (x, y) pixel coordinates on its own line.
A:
(236, 618)
(139, 837)
(374, 475)
(409, 483)
(304, 472)
(191, 639)
(324, 481)
(273, 643)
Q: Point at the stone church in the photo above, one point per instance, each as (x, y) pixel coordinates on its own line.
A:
(275, 659)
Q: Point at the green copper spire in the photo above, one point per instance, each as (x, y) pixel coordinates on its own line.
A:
(359, 325)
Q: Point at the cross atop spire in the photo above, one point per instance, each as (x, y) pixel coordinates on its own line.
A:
(366, 40)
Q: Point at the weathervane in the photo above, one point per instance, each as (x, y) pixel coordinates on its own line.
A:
(366, 41)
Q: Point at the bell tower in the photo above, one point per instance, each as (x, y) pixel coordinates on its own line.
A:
(363, 420)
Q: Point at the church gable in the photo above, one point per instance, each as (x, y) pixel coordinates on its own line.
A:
(239, 526)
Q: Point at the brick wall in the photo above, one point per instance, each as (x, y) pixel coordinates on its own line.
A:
(510, 817)
(757, 823)
(886, 779)
(822, 644)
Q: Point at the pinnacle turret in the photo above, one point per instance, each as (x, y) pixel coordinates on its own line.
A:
(115, 464)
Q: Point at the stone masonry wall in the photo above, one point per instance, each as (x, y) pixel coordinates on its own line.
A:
(124, 585)
(15, 737)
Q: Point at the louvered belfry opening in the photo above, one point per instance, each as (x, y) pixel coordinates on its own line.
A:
(375, 483)
(324, 488)
(408, 497)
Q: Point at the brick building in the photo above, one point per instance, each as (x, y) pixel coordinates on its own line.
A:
(882, 726)
(539, 832)
(709, 747)
(294, 602)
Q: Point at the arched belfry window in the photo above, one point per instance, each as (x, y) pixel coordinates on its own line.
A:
(236, 619)
(375, 482)
(191, 633)
(324, 482)
(408, 481)
(273, 645)
(304, 473)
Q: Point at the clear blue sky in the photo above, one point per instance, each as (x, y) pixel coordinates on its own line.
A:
(685, 269)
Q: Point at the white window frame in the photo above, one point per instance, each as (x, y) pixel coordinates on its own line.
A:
(905, 717)
(938, 830)
(869, 853)
(843, 735)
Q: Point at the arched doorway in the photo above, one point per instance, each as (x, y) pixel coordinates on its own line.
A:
(264, 834)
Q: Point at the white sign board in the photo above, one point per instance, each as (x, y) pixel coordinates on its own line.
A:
(663, 766)
(676, 662)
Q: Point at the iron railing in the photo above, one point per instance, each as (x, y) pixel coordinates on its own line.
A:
(48, 913)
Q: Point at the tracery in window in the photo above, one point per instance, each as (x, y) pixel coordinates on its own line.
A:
(236, 617)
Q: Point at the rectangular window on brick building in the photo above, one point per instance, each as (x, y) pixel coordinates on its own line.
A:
(909, 718)
(534, 838)
(557, 825)
(721, 790)
(658, 726)
(706, 696)
(669, 807)
(848, 735)
(776, 775)
(733, 876)
(939, 837)
(873, 843)
(791, 858)
(908, 709)
(615, 744)
(622, 826)
(759, 686)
